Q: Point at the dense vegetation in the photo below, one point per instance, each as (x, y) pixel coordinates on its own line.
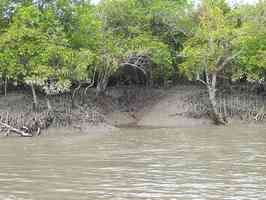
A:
(56, 46)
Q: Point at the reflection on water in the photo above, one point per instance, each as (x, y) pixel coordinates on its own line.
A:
(187, 164)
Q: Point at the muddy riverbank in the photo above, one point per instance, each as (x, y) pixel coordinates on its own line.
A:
(89, 114)
(179, 106)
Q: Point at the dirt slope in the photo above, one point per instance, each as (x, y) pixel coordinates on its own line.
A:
(166, 112)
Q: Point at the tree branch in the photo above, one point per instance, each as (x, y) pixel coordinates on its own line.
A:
(21, 133)
(91, 83)
(135, 66)
(200, 80)
(227, 60)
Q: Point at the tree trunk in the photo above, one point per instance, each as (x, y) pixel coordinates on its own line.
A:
(91, 84)
(216, 116)
(48, 103)
(101, 87)
(5, 87)
(34, 96)
(73, 100)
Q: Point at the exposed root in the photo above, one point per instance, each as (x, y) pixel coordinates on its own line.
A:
(17, 131)
(246, 106)
(25, 124)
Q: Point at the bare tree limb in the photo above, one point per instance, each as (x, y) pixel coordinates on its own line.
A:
(227, 60)
(21, 133)
(135, 66)
(92, 82)
(200, 80)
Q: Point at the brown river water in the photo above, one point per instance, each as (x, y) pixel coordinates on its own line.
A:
(135, 164)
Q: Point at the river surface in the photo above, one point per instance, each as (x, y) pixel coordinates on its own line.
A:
(136, 164)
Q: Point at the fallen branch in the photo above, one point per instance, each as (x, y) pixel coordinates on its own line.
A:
(17, 131)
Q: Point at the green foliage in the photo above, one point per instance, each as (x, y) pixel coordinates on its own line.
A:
(156, 29)
(156, 50)
(86, 26)
(109, 55)
(252, 62)
(213, 45)
(31, 40)
(171, 21)
(56, 43)
(124, 18)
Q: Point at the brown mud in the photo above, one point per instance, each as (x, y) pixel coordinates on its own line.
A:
(176, 107)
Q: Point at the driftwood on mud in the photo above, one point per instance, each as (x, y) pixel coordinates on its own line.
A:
(15, 130)
(26, 124)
